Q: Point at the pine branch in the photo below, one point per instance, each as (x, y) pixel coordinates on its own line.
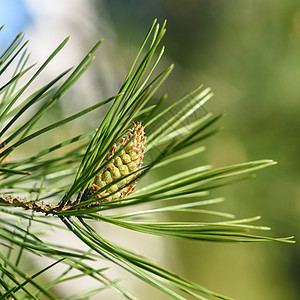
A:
(101, 173)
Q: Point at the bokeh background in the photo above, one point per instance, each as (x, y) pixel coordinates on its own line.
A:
(248, 52)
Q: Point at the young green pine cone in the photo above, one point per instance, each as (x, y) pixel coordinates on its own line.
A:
(128, 160)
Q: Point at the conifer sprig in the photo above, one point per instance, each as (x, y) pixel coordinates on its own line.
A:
(85, 184)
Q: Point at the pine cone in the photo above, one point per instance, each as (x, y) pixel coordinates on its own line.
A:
(128, 160)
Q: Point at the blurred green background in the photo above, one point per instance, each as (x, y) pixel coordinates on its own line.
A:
(248, 52)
